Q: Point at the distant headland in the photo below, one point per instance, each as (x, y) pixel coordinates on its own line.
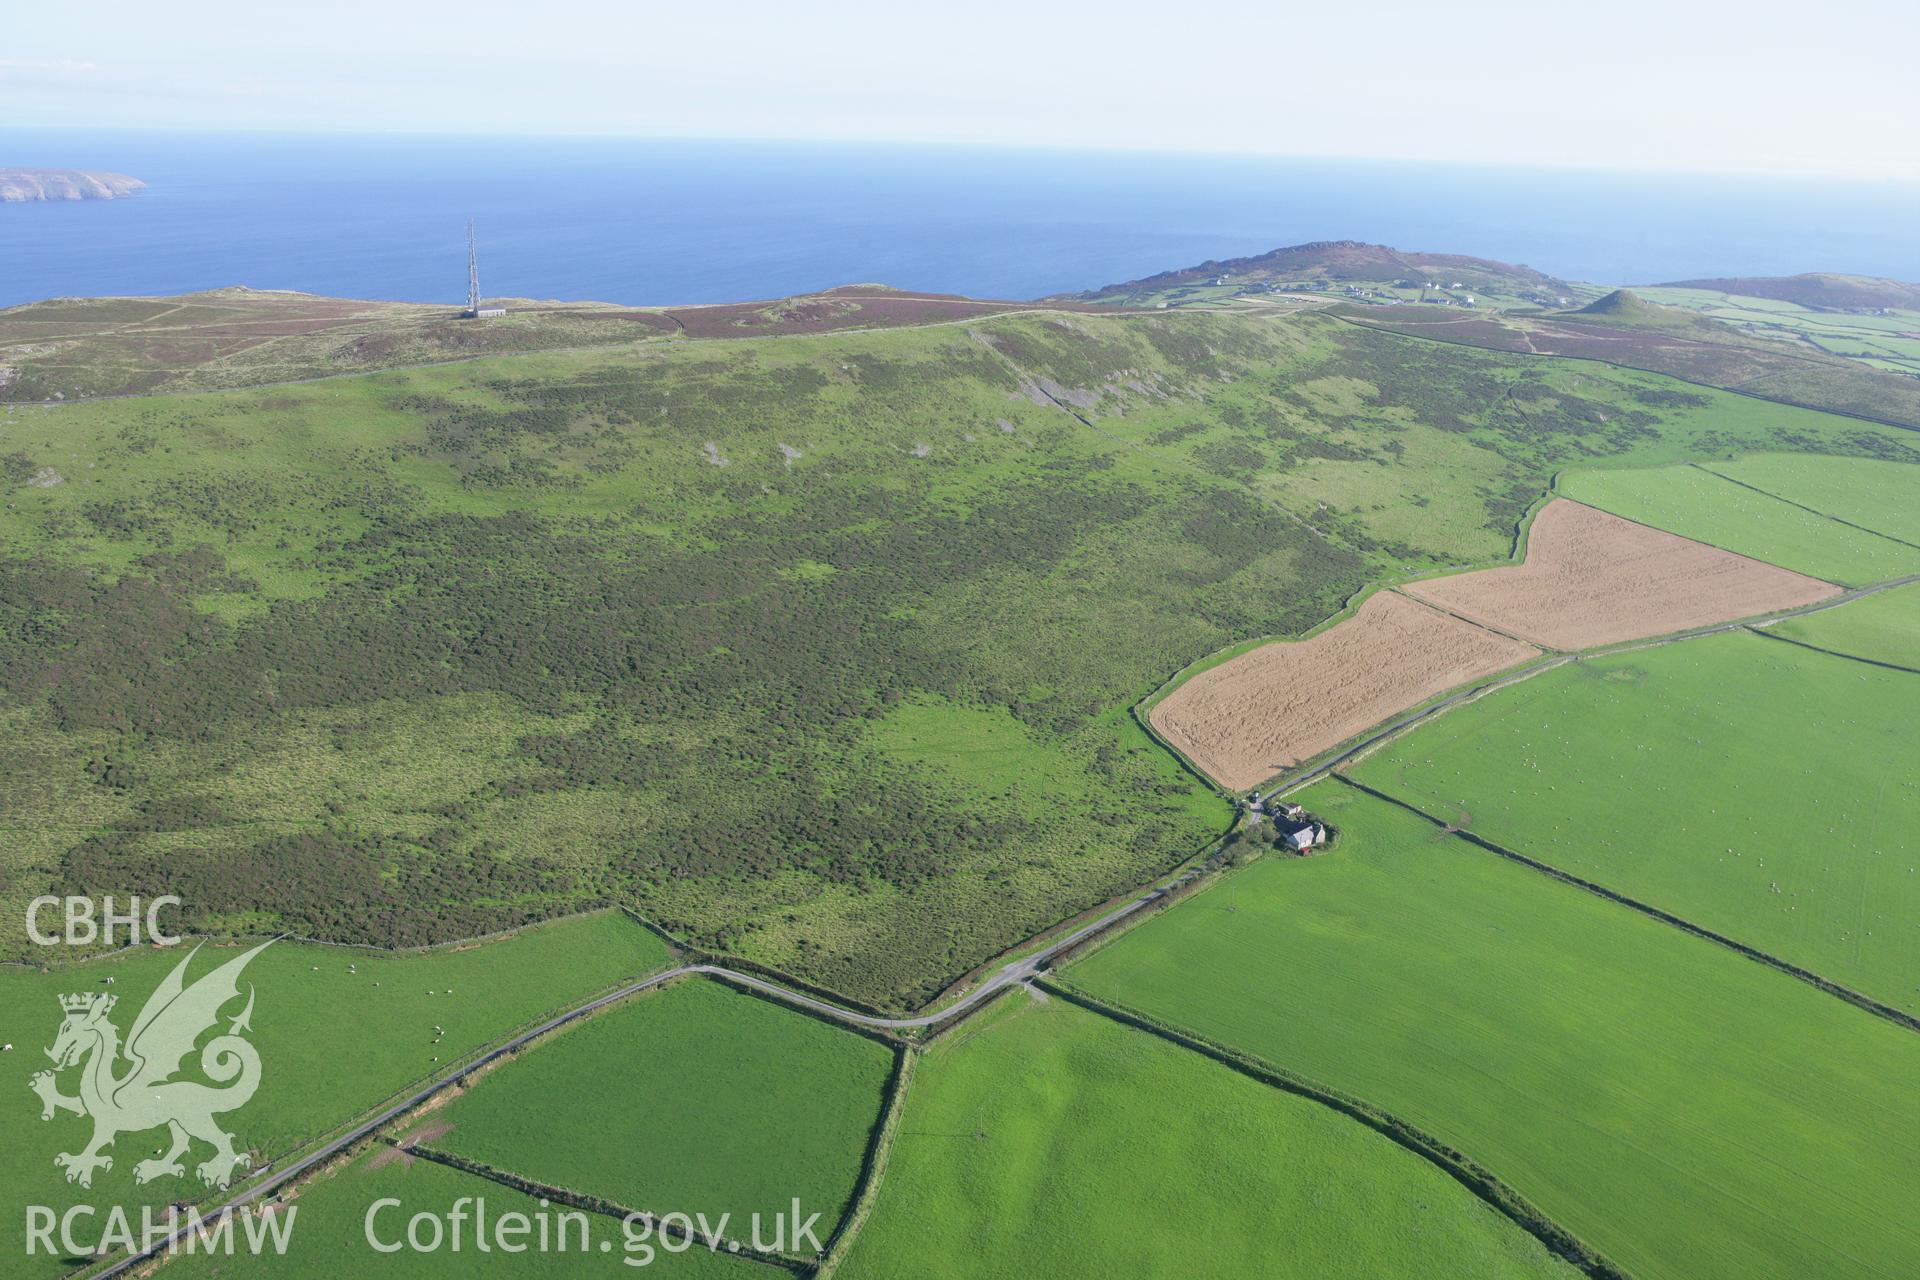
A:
(23, 186)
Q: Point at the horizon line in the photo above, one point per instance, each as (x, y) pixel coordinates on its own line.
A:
(988, 145)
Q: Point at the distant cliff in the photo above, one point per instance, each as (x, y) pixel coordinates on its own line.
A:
(19, 186)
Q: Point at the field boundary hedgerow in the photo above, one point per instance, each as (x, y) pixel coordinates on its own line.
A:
(487, 1057)
(1815, 511)
(1834, 653)
(370, 1121)
(790, 1263)
(1204, 879)
(1319, 764)
(58, 963)
(879, 1035)
(873, 1166)
(1379, 735)
(1859, 1000)
(1462, 1168)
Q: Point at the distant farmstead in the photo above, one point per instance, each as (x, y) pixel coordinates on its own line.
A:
(1293, 826)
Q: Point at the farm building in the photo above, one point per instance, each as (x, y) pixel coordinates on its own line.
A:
(1299, 833)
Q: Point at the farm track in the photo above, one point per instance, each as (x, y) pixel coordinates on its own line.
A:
(1022, 971)
(1012, 974)
(1025, 971)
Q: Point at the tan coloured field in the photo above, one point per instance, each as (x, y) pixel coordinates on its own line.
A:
(1266, 710)
(1592, 578)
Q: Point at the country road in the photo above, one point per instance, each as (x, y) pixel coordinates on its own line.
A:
(1011, 974)
(1014, 973)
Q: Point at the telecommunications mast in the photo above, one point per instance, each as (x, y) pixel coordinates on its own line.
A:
(474, 310)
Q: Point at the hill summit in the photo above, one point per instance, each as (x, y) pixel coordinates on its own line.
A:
(1324, 263)
(1626, 309)
(1621, 304)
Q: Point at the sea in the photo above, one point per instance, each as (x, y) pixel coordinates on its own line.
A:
(652, 222)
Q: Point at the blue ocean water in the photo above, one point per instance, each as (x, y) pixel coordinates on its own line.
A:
(647, 222)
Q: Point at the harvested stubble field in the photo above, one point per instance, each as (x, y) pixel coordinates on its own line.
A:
(1592, 578)
(1266, 710)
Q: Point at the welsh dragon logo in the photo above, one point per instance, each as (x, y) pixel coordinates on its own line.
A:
(146, 1095)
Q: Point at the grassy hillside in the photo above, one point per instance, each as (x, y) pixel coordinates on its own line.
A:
(1661, 774)
(69, 348)
(1046, 1140)
(719, 629)
(1684, 1110)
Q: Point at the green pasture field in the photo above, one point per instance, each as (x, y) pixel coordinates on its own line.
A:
(1885, 342)
(328, 1238)
(1881, 496)
(1882, 628)
(691, 1099)
(1045, 1140)
(1695, 503)
(338, 1031)
(723, 630)
(1687, 1111)
(1760, 789)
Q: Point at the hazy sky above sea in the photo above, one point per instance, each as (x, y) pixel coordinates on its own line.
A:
(1760, 86)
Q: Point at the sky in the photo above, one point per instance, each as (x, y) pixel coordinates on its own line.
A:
(1755, 86)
